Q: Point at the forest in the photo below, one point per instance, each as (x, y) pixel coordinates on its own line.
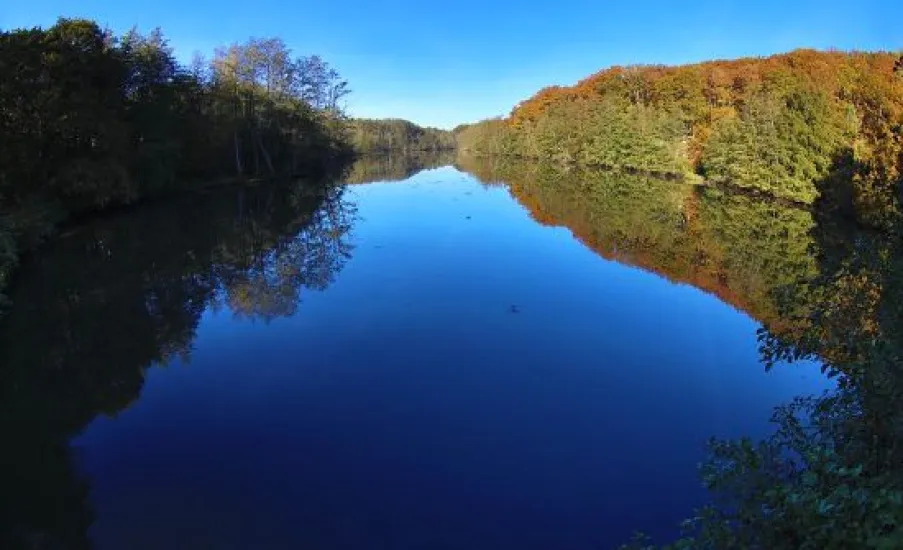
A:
(787, 126)
(90, 120)
(398, 137)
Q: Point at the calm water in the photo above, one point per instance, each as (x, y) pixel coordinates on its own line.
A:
(445, 361)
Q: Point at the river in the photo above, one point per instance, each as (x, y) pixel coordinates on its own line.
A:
(435, 355)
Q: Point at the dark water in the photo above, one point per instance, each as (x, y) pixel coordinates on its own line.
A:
(498, 360)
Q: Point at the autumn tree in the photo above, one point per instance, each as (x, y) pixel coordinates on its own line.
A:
(782, 125)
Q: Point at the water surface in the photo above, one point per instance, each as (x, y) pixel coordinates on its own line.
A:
(446, 361)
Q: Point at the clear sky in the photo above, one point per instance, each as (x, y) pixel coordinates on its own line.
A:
(442, 63)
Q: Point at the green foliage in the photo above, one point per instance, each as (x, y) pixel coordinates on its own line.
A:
(67, 139)
(121, 119)
(489, 137)
(807, 486)
(608, 133)
(397, 136)
(831, 476)
(825, 479)
(782, 146)
(636, 137)
(89, 120)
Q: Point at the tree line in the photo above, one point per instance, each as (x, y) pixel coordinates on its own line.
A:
(398, 136)
(786, 125)
(89, 119)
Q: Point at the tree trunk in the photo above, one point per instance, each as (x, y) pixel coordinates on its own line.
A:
(266, 155)
(255, 133)
(238, 166)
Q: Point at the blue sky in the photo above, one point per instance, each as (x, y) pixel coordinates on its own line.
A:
(443, 63)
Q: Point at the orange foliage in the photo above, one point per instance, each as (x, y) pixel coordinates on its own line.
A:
(728, 83)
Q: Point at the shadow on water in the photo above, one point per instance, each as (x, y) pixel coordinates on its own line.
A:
(98, 307)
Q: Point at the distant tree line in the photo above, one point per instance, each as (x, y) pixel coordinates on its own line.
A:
(376, 168)
(784, 125)
(398, 136)
(89, 119)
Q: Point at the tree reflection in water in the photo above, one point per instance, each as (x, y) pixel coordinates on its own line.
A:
(98, 307)
(832, 474)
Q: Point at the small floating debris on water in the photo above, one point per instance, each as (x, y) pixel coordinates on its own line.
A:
(514, 309)
(466, 217)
